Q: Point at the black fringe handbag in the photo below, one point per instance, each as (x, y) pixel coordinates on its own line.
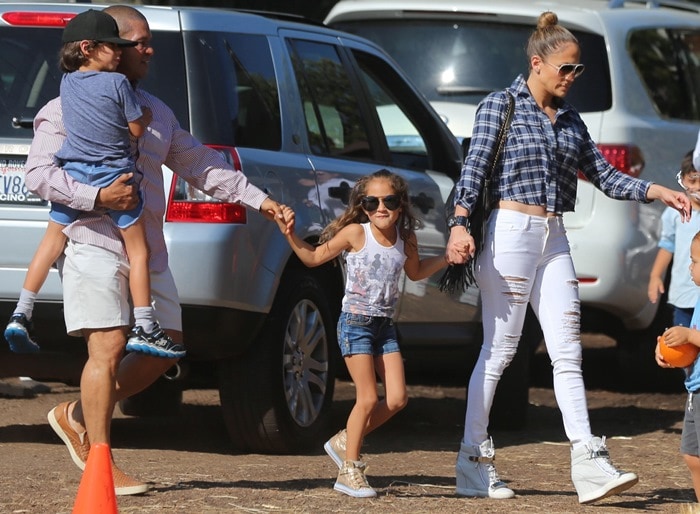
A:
(458, 277)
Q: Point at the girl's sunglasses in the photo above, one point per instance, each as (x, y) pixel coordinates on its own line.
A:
(371, 203)
(564, 70)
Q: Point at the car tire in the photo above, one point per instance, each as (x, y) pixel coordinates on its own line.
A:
(162, 398)
(277, 398)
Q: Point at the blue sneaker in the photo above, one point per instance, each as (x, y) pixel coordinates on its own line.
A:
(156, 343)
(17, 334)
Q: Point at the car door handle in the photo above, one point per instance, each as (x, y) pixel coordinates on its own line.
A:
(22, 122)
(341, 192)
(423, 202)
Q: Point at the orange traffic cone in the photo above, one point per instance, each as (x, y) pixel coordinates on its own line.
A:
(96, 490)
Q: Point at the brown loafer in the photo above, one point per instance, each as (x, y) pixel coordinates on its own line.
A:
(78, 444)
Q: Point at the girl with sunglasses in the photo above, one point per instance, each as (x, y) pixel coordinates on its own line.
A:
(526, 256)
(377, 236)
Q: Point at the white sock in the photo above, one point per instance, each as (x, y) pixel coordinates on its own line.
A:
(145, 317)
(25, 305)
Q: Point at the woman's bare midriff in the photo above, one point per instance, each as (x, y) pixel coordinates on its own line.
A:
(530, 210)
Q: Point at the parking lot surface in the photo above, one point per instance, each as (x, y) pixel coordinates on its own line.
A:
(191, 467)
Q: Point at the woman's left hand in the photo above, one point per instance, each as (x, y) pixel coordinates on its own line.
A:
(676, 199)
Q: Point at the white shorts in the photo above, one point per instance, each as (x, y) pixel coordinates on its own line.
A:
(96, 291)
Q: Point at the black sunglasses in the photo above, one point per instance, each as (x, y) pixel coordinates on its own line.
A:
(371, 203)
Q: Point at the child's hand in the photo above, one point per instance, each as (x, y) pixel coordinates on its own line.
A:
(285, 220)
(659, 358)
(656, 289)
(676, 336)
(460, 247)
(289, 218)
(273, 212)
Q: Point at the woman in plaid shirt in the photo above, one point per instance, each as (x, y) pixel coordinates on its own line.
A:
(526, 256)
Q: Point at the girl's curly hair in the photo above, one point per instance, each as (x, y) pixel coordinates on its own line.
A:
(407, 222)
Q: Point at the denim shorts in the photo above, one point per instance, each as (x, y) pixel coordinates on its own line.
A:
(369, 335)
(690, 438)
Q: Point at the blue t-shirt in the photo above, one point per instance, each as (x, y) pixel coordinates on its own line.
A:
(692, 380)
(676, 237)
(97, 108)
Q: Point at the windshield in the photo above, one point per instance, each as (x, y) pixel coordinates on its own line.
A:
(462, 60)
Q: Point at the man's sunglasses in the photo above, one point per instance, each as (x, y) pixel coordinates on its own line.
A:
(371, 203)
(564, 70)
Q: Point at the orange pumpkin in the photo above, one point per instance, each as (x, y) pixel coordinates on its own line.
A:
(678, 356)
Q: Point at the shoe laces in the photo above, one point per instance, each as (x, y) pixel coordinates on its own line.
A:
(22, 320)
(487, 453)
(356, 474)
(494, 479)
(602, 456)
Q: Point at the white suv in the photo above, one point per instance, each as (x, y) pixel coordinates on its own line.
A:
(639, 96)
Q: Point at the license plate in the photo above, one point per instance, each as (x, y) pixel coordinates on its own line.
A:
(12, 187)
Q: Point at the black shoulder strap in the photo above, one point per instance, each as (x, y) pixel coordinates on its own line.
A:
(502, 133)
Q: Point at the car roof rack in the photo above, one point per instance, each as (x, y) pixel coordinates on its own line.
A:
(282, 16)
(681, 5)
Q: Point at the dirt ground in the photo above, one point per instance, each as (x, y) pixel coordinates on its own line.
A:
(192, 469)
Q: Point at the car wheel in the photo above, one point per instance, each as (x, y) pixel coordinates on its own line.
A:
(162, 398)
(277, 397)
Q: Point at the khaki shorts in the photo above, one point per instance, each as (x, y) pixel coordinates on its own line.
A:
(96, 291)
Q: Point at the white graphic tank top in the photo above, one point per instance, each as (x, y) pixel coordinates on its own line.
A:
(372, 284)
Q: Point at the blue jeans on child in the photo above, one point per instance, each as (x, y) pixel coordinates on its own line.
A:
(100, 175)
(369, 335)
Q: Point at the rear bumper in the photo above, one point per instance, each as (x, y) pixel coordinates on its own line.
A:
(613, 255)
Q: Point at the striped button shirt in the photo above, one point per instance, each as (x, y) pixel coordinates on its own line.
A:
(541, 159)
(165, 143)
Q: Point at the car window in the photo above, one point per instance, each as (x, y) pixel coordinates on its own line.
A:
(669, 63)
(334, 121)
(404, 138)
(30, 76)
(234, 90)
(462, 60)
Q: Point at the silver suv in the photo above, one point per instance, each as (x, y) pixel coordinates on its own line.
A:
(303, 111)
(639, 96)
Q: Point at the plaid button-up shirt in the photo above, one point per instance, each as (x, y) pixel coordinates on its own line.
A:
(540, 162)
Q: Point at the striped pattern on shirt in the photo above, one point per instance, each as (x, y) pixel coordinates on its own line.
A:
(540, 162)
(165, 143)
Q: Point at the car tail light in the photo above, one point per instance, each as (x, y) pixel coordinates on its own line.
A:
(189, 205)
(38, 19)
(626, 158)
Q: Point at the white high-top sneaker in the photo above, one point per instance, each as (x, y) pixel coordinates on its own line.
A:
(594, 475)
(476, 474)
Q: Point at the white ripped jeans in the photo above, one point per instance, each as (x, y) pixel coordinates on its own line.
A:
(527, 258)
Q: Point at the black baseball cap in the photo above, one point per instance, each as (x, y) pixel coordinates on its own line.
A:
(94, 25)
